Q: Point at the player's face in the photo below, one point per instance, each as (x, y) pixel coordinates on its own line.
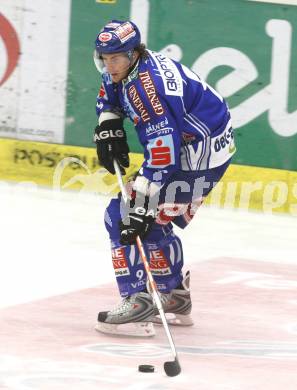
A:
(117, 65)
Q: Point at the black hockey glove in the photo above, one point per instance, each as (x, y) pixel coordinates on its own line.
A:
(138, 222)
(111, 141)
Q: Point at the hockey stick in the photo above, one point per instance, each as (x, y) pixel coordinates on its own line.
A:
(172, 368)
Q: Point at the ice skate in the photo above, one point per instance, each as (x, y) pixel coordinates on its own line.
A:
(177, 305)
(132, 317)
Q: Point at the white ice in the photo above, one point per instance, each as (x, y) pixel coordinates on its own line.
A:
(55, 242)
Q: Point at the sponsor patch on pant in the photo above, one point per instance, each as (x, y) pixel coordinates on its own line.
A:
(158, 263)
(119, 262)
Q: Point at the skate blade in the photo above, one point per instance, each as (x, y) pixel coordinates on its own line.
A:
(135, 329)
(175, 319)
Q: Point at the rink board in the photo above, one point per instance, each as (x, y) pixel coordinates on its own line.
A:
(74, 167)
(244, 337)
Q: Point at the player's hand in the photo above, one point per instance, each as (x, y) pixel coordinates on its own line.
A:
(111, 141)
(137, 222)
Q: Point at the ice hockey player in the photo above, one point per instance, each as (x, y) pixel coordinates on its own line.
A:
(185, 128)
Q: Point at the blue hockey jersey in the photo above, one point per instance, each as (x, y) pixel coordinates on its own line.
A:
(182, 123)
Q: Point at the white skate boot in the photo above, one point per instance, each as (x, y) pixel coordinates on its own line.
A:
(132, 317)
(177, 305)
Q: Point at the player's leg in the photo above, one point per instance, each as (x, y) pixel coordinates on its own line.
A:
(164, 251)
(166, 261)
(186, 194)
(165, 254)
(133, 315)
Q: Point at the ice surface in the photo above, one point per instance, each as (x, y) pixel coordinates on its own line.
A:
(55, 242)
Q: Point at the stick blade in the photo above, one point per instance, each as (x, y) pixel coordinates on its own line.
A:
(172, 368)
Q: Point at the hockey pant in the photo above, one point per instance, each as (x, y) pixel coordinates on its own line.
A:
(163, 247)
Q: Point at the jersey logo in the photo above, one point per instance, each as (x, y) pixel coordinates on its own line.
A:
(150, 90)
(172, 80)
(161, 152)
(156, 127)
(133, 94)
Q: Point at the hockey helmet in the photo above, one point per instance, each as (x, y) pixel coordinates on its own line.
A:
(116, 37)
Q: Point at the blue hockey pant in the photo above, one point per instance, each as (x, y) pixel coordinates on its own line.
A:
(178, 201)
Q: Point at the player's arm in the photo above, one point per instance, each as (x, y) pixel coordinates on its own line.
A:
(109, 134)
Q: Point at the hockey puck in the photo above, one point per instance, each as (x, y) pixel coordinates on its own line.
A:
(146, 368)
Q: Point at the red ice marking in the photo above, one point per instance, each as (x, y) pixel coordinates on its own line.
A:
(243, 337)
